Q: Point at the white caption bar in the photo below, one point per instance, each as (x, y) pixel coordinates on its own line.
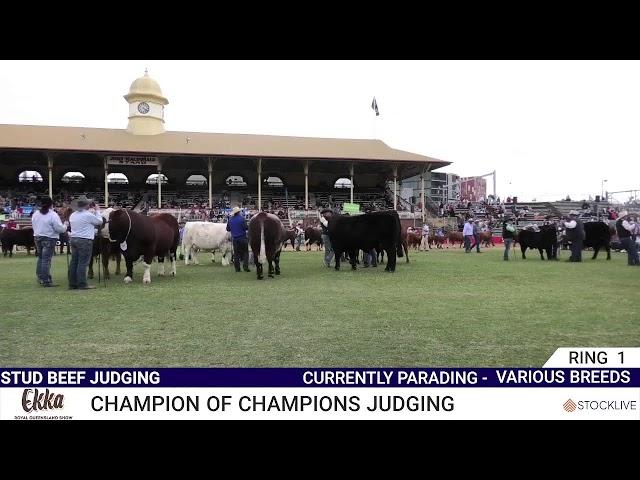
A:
(590, 357)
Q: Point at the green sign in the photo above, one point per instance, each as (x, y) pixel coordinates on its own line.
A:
(351, 207)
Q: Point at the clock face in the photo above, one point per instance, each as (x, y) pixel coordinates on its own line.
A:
(143, 107)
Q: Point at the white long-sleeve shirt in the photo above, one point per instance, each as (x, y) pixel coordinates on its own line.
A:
(467, 230)
(84, 223)
(47, 225)
(627, 225)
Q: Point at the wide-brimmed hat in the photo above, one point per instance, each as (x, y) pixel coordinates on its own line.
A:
(81, 202)
(326, 210)
(574, 212)
(623, 213)
(234, 211)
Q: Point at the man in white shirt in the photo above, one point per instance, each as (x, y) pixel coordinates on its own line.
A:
(47, 228)
(83, 229)
(467, 232)
(625, 228)
(425, 238)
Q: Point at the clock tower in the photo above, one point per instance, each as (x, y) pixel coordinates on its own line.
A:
(146, 107)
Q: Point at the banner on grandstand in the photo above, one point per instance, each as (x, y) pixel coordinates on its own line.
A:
(131, 160)
(351, 207)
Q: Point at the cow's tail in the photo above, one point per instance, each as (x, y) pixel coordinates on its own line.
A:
(262, 257)
(399, 252)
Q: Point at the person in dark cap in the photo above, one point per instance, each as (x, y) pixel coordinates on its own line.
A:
(324, 224)
(508, 235)
(575, 234)
(83, 221)
(47, 228)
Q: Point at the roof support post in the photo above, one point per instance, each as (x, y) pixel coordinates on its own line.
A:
(260, 184)
(306, 185)
(50, 168)
(106, 181)
(159, 178)
(395, 187)
(351, 172)
(210, 163)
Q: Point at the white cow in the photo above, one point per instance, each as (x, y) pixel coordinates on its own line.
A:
(206, 236)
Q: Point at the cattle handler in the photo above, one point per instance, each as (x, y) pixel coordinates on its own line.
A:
(237, 225)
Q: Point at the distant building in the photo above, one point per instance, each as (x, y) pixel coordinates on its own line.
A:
(473, 188)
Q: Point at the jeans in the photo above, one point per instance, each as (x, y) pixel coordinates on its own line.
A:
(328, 251)
(632, 250)
(46, 247)
(240, 251)
(467, 243)
(371, 258)
(507, 247)
(81, 250)
(299, 241)
(476, 242)
(576, 251)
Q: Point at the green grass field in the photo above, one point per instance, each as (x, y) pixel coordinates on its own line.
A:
(445, 308)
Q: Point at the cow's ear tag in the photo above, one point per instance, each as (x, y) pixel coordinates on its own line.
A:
(123, 246)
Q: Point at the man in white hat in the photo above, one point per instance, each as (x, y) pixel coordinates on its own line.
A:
(625, 228)
(575, 234)
(83, 222)
(237, 225)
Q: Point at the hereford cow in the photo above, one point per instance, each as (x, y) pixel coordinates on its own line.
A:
(455, 237)
(290, 236)
(105, 248)
(541, 240)
(145, 236)
(10, 238)
(266, 236)
(312, 235)
(366, 232)
(436, 240)
(486, 239)
(597, 236)
(207, 236)
(414, 239)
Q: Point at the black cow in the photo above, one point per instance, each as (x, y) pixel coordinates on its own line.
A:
(105, 248)
(10, 237)
(366, 232)
(313, 235)
(266, 236)
(545, 239)
(597, 236)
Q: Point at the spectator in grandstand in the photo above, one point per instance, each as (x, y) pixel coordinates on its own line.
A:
(83, 222)
(626, 228)
(47, 228)
(508, 236)
(324, 224)
(237, 225)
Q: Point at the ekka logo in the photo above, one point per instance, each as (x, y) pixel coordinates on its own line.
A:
(34, 400)
(569, 406)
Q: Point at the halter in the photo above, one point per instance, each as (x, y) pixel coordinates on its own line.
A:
(129, 230)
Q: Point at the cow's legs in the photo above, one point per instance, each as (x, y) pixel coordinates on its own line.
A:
(338, 255)
(186, 253)
(128, 278)
(353, 258)
(194, 255)
(391, 259)
(276, 261)
(259, 270)
(90, 275)
(541, 254)
(595, 253)
(608, 252)
(523, 249)
(161, 266)
(226, 255)
(406, 252)
(118, 259)
(213, 256)
(270, 261)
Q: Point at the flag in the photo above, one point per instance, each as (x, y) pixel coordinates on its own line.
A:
(374, 106)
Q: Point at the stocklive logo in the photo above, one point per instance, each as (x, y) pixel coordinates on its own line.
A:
(34, 400)
(569, 405)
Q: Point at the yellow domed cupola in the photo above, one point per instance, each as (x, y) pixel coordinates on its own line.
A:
(146, 107)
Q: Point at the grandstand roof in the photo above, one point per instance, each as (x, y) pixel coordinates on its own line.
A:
(96, 140)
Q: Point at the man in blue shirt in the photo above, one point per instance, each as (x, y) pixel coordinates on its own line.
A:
(84, 222)
(237, 225)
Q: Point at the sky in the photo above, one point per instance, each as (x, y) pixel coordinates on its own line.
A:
(548, 128)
